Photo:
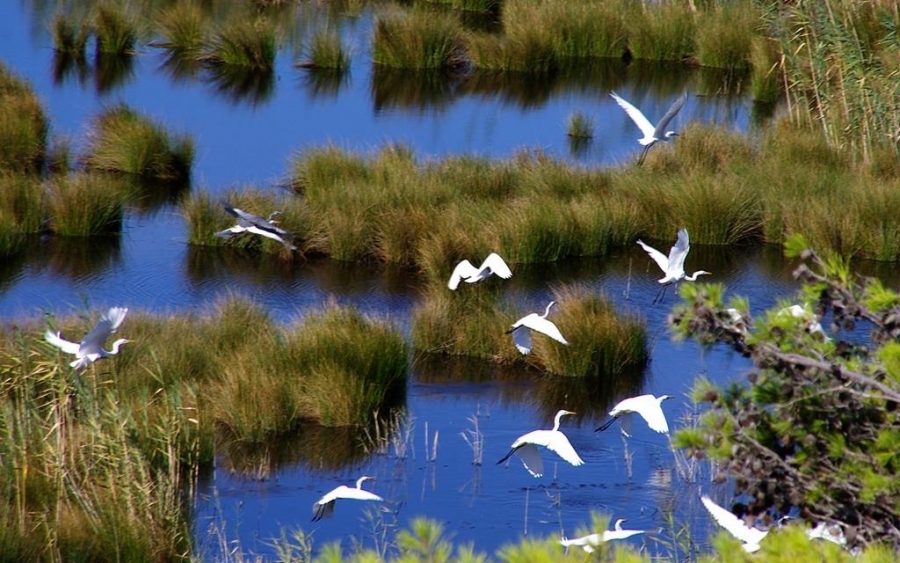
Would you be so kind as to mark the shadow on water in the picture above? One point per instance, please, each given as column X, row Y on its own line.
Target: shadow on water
column 180, row 66
column 151, row 195
column 80, row 258
column 14, row 261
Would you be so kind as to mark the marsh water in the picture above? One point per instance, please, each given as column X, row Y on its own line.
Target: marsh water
column 425, row 467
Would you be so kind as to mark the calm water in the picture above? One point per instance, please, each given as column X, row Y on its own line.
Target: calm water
column 247, row 139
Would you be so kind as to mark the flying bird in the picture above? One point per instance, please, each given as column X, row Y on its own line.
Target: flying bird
column 648, row 406
column 324, row 507
column 521, row 330
column 526, row 445
column 673, row 264
column 90, row 349
column 465, row 271
column 250, row 223
column 735, row 526
column 652, row 134
column 590, row 542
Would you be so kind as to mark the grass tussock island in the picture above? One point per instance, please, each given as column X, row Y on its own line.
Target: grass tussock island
column 473, row 322
column 123, row 140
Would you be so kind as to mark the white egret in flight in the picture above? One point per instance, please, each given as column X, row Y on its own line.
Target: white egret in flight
column 673, row 264
column 465, row 271
column 526, row 445
column 735, row 526
column 324, row 507
column 590, row 542
column 648, row 406
column 250, row 223
column 652, row 134
column 521, row 330
column 90, row 349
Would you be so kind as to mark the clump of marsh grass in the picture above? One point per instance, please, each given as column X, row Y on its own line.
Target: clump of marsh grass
column 602, row 341
column 766, row 82
column 206, row 217
column 86, row 204
column 116, row 33
column 123, row 140
column 242, row 43
column 23, row 126
column 326, row 51
column 580, row 125
column 462, row 323
column 417, row 39
column 182, row 30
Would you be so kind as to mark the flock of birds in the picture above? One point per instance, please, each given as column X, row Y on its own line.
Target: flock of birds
column 525, row 447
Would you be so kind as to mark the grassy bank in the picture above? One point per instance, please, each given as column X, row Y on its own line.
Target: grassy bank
column 23, row 126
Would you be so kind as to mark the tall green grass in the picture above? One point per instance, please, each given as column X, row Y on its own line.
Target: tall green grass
column 84, row 478
column 123, row 140
column 182, row 31
column 326, row 51
column 20, row 210
column 68, row 37
column 725, row 35
column 86, row 204
column 417, row 39
column 23, row 126
column 665, row 31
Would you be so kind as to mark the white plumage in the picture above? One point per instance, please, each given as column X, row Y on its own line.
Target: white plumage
column 521, row 330
column 250, row 223
column 648, row 407
column 652, row 134
column 673, row 264
column 590, row 542
column 324, row 507
column 735, row 526
column 465, row 271
column 805, row 313
column 90, row 349
column 525, row 447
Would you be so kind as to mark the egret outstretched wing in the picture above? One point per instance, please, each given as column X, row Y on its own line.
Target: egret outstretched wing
column 462, row 271
column 543, row 326
column 635, row 114
column 661, row 259
column 735, row 526
column 531, row 459
column 525, row 447
column 676, row 106
column 64, row 345
column 648, row 407
column 108, row 323
column 497, row 266
column 324, row 507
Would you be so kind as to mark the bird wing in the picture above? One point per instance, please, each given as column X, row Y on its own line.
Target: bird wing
column 588, row 543
column 268, row 233
column 56, row 340
column 323, row 510
column 732, row 523
column 635, row 114
column 679, row 252
column 116, row 315
column 495, row 264
column 107, row 324
column 531, row 459
column 464, row 269
column 360, row 494
column 230, row 231
column 521, row 336
column 620, row 534
column 560, row 444
column 676, row 106
column 661, row 260
column 651, row 411
column 535, row 322
column 254, row 220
